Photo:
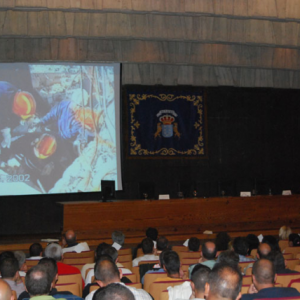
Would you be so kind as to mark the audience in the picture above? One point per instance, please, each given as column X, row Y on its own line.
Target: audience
column 21, row 257
column 272, row 241
column 118, row 237
column 241, row 246
column 294, row 240
column 253, row 242
column 106, row 272
column 9, row 269
column 113, row 291
column 284, row 232
column 194, row 244
column 263, row 286
column 5, row 291
column 152, row 234
column 224, row 282
column 279, row 264
column 222, row 241
column 161, row 245
column 208, row 255
column 229, row 257
column 71, row 245
column 35, row 251
column 148, row 250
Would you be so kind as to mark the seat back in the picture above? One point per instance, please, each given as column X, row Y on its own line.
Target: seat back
column 290, row 255
column 248, row 271
column 247, row 280
column 164, row 295
column 94, row 287
column 253, row 253
column 150, row 278
column 70, row 287
column 71, row 278
column 294, row 250
column 189, row 261
column 180, row 248
column 90, row 253
column 124, row 251
column 188, row 254
column 292, row 263
column 124, row 257
column 157, row 287
column 185, row 269
column 31, row 263
column 78, row 266
column 127, row 264
column 139, row 252
column 285, row 279
column 136, row 285
column 142, row 262
column 283, row 244
column 78, row 260
column 243, row 265
column 131, row 277
column 295, row 285
column 136, row 271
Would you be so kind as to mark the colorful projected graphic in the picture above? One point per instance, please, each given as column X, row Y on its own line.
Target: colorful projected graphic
column 58, row 132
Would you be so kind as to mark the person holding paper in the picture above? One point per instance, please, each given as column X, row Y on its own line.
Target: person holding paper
column 69, row 240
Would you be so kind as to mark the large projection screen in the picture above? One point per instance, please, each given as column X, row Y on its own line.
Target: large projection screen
column 59, row 127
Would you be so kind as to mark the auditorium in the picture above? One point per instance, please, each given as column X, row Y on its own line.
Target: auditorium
column 146, row 139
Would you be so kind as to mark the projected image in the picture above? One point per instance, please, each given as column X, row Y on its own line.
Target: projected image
column 58, row 131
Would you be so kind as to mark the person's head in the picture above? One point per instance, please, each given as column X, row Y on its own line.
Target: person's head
column 229, row 257
column 38, row 281
column 70, row 237
column 294, row 240
column 224, row 282
column 171, row 262
column 113, row 291
column 147, row 246
column 36, row 249
column 222, row 241
column 118, row 237
column 54, row 251
column 21, row 257
column 51, row 267
column 99, row 249
column 112, row 252
column 253, row 242
column 194, row 244
column 240, row 246
column 9, row 268
column 199, row 278
column 6, row 254
column 263, row 250
column 162, row 243
column 152, row 233
column 284, row 232
column 106, row 272
column 263, row 274
column 209, row 250
column 272, row 241
column 5, row 291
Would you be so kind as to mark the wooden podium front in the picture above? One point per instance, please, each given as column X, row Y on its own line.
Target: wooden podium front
column 181, row 218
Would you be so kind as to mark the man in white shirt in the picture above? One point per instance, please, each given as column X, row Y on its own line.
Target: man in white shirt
column 106, row 272
column 35, row 251
column 148, row 250
column 69, row 240
column 113, row 254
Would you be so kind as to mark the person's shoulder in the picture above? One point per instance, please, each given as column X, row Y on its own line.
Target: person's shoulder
column 68, row 297
column 139, row 293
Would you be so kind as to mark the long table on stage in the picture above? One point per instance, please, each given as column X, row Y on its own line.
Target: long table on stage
column 181, row 217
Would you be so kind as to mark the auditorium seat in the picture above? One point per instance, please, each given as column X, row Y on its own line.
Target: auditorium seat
column 90, row 253
column 185, row 269
column 136, row 285
column 180, row 248
column 157, row 287
column 136, row 271
column 78, row 260
column 125, row 257
column 78, row 266
column 94, row 287
column 72, row 278
column 247, row 280
column 295, row 285
column 288, row 255
column 150, row 278
column 164, row 295
column 124, row 251
column 294, row 250
column 285, row 279
column 243, row 265
column 297, row 268
column 31, row 263
column 283, row 244
column 189, row 254
column 139, row 252
column 253, row 253
column 70, row 287
column 127, row 264
column 131, row 277
column 291, row 263
column 248, row 271
column 189, row 261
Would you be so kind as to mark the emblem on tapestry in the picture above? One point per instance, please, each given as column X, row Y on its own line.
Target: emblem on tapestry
column 167, row 125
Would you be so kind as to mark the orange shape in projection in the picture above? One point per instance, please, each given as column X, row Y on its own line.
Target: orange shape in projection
column 24, row 105
column 45, row 147
column 87, row 117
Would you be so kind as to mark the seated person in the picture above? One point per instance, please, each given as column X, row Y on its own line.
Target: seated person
column 263, row 286
column 222, row 242
column 118, row 238
column 161, row 245
column 253, row 242
column 194, row 244
column 71, row 245
column 21, row 257
column 171, row 265
column 9, row 269
column 279, row 263
column 294, row 240
column 114, row 291
column 113, row 253
column 241, row 246
column 208, row 255
column 35, row 251
column 284, row 232
column 272, row 241
column 229, row 257
column 5, row 291
column 148, row 250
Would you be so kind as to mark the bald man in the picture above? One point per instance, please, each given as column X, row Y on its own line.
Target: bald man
column 69, row 240
column 208, row 255
column 5, row 291
column 263, row 250
column 224, row 283
column 263, row 286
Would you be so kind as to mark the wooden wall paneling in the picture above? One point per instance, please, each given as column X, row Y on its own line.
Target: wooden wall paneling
column 145, row 73
column 223, row 7
column 171, row 75
column 83, row 49
column 220, row 29
column 175, row 6
column 259, row 8
column 2, row 21
column 89, row 4
column 31, row 3
column 158, row 5
column 264, row 78
column 224, row 76
column 54, row 49
column 70, row 23
column 240, row 8
column 291, row 34
column 138, row 5
column 38, row 23
column 15, row 23
column 203, row 29
column 295, row 80
column 189, row 6
column 57, row 22
column 98, row 23
column 265, row 30
column 7, row 50
column 175, row 27
column 157, row 27
column 236, row 31
column 281, row 8
column 65, row 4
column 292, row 9
column 247, row 77
column 282, row 79
column 204, row 6
column 68, row 49
column 7, row 3
column 118, row 25
column 44, row 49
column 279, row 58
column 80, row 23
column 185, row 75
column 139, row 25
column 101, row 50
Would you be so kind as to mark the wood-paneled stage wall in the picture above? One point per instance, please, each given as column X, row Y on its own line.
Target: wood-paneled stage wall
column 180, row 218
